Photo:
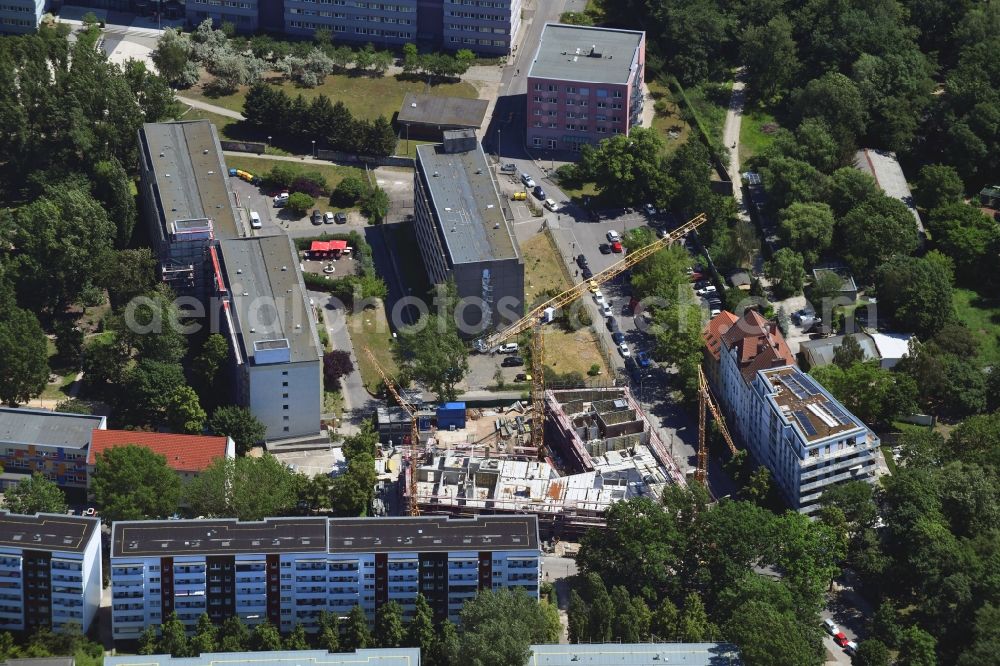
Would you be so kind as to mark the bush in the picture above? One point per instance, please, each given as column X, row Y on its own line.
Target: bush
column 308, row 184
column 300, row 202
column 595, row 370
column 336, row 364
column 348, row 192
column 280, row 176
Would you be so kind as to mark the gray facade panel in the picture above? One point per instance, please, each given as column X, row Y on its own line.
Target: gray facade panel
column 241, row 13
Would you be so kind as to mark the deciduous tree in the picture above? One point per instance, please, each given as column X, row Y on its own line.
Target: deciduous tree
column 787, row 270
column 35, row 494
column 24, row 365
column 239, row 423
column 244, row 488
column 356, row 633
column 389, row 631
column 808, row 229
column 133, row 483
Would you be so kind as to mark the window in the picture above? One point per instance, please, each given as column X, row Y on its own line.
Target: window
column 538, row 112
column 584, row 91
column 601, row 92
column 552, row 88
column 571, row 89
column 284, row 407
column 284, row 395
column 538, row 86
column 284, row 373
column 570, row 102
column 284, row 384
column 537, row 141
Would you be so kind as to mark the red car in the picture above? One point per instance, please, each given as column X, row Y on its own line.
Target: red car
column 840, row 639
column 616, row 247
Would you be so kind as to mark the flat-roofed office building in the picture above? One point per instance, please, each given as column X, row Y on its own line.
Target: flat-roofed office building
column 54, row 444
column 464, row 231
column 289, row 570
column 50, row 571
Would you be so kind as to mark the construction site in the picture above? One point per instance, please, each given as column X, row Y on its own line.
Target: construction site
column 600, row 449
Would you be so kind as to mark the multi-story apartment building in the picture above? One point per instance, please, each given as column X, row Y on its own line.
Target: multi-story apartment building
column 273, row 336
column 584, row 85
column 788, row 421
column 288, row 570
column 53, row 444
column 464, row 231
column 487, row 27
column 370, row 657
column 251, row 287
column 18, row 17
column 50, row 571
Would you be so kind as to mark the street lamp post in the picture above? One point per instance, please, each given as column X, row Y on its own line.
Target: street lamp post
column 314, row 148
column 268, row 140
column 498, row 144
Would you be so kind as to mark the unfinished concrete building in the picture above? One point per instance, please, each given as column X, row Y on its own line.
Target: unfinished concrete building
column 603, row 451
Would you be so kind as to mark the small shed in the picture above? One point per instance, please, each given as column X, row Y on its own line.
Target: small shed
column 990, row 196
column 848, row 287
column 451, row 415
column 740, row 280
column 429, row 116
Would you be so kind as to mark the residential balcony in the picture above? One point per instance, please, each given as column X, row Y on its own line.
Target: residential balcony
column 858, row 471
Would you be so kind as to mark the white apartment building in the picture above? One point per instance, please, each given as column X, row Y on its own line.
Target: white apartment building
column 50, row 571
column 288, row 570
column 789, row 422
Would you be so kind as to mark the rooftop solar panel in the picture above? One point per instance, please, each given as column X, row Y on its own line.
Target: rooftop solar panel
column 794, row 386
column 808, row 384
column 837, row 412
column 803, row 418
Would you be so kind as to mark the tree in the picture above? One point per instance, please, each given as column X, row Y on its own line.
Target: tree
column 420, row 630
column 205, row 637
column 808, row 229
column 915, row 294
column 151, row 326
column 432, row 350
column 146, row 389
column 147, row 641
column 938, row 185
column 356, row 633
column 208, row 364
column 240, row 424
column 265, row 638
column 498, row 627
column 970, row 238
column 835, row 99
column 786, row 268
column 665, row 625
column 172, row 57
column 374, row 204
column 132, row 483
column 849, row 188
column 917, row 648
column 871, row 652
column 694, row 624
column 875, row 231
column 329, row 632
column 352, row 491
column 24, row 365
column 35, row 494
column 297, row 639
column 872, row 393
column 629, row 170
column 578, row 618
column 348, row 191
column 183, row 412
column 336, row 364
column 771, row 636
column 678, row 340
column 848, row 352
column 110, row 185
column 447, row 647
column 411, row 58
column 300, row 202
column 233, row 635
column 790, row 180
column 601, row 611
column 769, row 53
column 389, row 625
column 131, row 273
column 173, row 638
column 244, row 488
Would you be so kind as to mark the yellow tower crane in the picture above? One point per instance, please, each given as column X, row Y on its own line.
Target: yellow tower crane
column 414, row 445
column 533, row 320
column 707, row 399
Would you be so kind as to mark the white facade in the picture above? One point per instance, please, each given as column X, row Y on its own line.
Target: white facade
column 20, row 16
column 285, row 397
column 50, row 571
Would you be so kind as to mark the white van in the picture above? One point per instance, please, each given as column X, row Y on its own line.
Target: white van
column 508, row 348
column 255, row 220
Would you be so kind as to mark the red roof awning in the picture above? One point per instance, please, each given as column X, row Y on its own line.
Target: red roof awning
column 328, row 246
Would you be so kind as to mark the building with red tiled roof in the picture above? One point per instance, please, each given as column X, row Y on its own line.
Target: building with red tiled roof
column 712, row 336
column 187, row 455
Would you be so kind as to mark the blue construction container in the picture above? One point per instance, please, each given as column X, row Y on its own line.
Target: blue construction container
column 451, row 415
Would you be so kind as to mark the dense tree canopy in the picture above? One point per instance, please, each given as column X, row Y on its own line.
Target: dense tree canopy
column 133, row 483
column 35, row 494
column 244, row 488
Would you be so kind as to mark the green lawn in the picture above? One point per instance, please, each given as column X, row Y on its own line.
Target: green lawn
column 753, row 137
column 672, row 127
column 365, row 96
column 982, row 316
column 577, row 195
column 710, row 102
column 369, row 328
column 408, row 147
column 334, row 173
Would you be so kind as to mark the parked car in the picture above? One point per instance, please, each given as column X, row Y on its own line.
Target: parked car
column 522, row 377
column 661, row 233
column 650, row 210
column 613, row 236
column 618, row 337
column 581, row 261
column 851, row 648
column 708, row 289
column 281, row 199
column 643, row 359
column 512, row 362
column 606, row 311
column 604, row 248
column 519, row 196
column 586, row 273
column 90, row 511
column 316, row 217
column 624, row 350
column 632, row 367
column 552, row 205
column 340, row 218
column 611, row 323
column 539, row 193
column 840, row 639
column 328, row 217
column 255, row 222
column 831, row 627
column 507, row 348
column 528, row 181
column 616, row 247
column 593, row 286
column 510, row 167
column 599, row 297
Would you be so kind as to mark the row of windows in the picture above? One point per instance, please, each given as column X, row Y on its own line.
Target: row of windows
column 228, row 3
column 473, row 28
column 598, row 116
column 600, row 129
column 478, row 17
column 481, row 42
column 495, row 4
column 17, row 8
column 573, row 90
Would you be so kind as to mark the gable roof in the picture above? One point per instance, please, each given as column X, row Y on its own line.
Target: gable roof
column 712, row 333
column 758, row 343
column 184, row 453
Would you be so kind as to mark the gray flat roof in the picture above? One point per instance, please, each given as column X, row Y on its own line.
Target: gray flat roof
column 371, row 657
column 822, row 350
column 40, row 661
column 635, row 654
column 466, row 205
column 224, row 536
column 153, row 538
column 191, row 177
column 47, row 532
column 883, row 166
column 437, row 111
column 268, row 296
column 433, row 534
column 41, row 427
column 564, row 53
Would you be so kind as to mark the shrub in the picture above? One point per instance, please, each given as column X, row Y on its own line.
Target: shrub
column 300, row 202
column 308, row 184
column 336, row 364
column 348, row 191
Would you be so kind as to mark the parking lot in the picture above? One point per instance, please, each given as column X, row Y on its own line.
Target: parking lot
column 276, row 220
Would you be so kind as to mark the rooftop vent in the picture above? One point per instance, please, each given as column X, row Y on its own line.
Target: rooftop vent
column 413, row 105
column 436, row 174
column 167, row 175
column 246, row 293
column 284, row 268
column 161, row 153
